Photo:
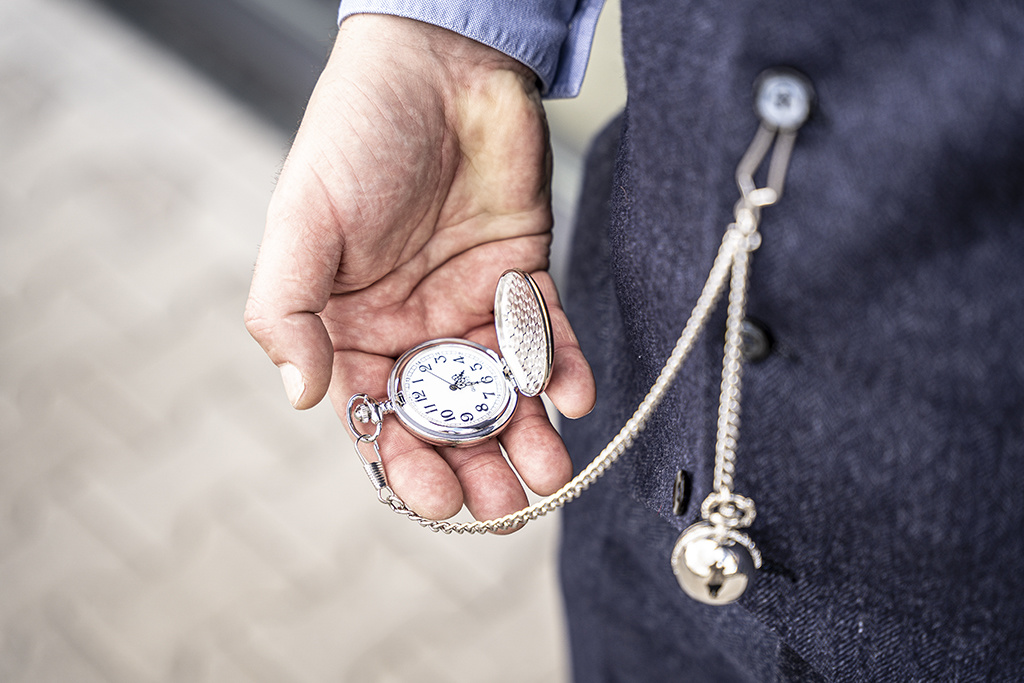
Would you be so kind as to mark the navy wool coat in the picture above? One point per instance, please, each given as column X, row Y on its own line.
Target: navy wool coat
column 883, row 438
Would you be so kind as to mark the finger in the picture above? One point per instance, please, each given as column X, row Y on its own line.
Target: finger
column 535, row 448
column 415, row 471
column 531, row 441
column 420, row 477
column 572, row 388
column 291, row 284
column 490, row 487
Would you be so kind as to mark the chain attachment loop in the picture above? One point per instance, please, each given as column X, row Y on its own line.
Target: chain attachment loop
column 365, row 409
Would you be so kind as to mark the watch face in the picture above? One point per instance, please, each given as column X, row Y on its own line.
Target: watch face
column 451, row 391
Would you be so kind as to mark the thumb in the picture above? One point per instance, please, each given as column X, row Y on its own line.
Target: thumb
column 291, row 285
column 298, row 344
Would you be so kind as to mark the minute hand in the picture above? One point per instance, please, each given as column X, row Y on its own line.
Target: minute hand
column 450, row 384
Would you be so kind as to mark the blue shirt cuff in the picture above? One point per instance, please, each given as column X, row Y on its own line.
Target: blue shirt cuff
column 552, row 37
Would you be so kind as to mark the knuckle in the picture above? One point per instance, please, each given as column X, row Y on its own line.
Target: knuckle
column 256, row 322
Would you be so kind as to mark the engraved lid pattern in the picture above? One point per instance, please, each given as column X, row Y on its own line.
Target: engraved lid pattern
column 524, row 331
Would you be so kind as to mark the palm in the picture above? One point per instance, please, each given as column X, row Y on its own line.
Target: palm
column 430, row 223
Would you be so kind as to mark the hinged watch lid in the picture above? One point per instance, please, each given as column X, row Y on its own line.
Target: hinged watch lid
column 524, row 331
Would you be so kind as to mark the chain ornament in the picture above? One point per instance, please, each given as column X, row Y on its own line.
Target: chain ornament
column 713, row 559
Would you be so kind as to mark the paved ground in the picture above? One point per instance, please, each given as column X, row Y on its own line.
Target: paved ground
column 164, row 515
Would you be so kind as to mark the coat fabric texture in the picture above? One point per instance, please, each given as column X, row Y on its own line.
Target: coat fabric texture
column 882, row 440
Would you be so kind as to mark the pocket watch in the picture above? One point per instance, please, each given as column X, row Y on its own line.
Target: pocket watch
column 455, row 392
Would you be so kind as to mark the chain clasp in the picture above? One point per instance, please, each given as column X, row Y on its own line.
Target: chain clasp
column 366, row 410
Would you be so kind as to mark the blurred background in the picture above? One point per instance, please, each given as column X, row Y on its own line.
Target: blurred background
column 164, row 514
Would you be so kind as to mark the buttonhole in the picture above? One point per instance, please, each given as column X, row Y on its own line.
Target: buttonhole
column 681, row 493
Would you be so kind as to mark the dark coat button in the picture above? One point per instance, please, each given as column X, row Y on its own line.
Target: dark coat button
column 757, row 341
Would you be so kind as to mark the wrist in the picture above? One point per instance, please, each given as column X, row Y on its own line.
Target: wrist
column 454, row 63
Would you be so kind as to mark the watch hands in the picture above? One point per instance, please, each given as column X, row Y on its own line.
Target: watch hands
column 457, row 382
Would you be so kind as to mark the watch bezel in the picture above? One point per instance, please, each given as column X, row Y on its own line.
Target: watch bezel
column 441, row 435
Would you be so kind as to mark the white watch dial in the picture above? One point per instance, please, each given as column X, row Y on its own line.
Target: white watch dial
column 453, row 391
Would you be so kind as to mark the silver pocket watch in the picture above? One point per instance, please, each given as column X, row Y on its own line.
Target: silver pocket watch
column 454, row 392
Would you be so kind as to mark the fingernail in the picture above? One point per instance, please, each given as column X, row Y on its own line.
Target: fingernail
column 294, row 385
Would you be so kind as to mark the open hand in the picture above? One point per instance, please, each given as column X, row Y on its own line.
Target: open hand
column 420, row 173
